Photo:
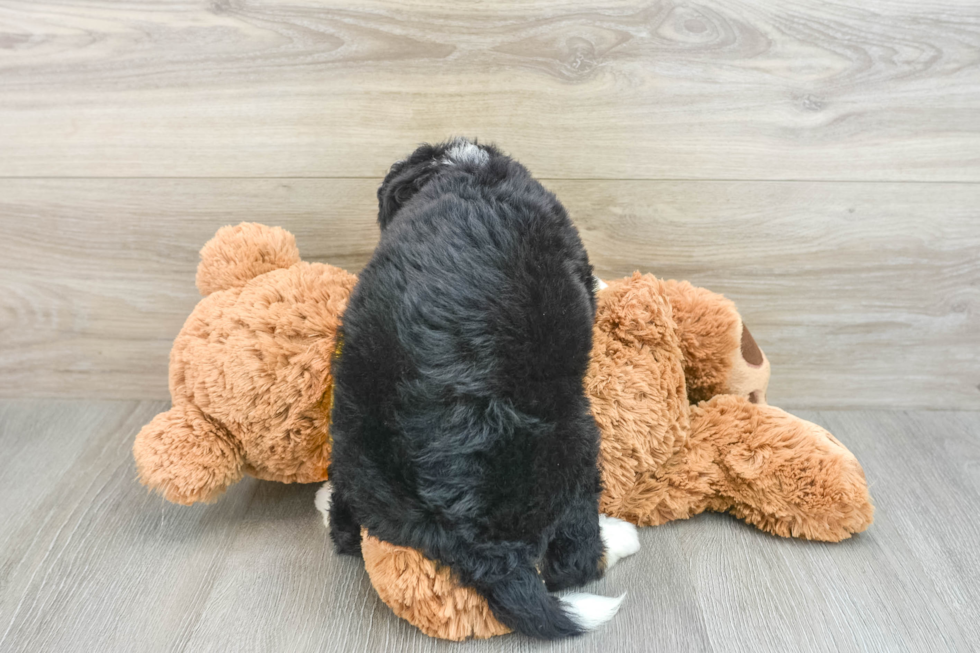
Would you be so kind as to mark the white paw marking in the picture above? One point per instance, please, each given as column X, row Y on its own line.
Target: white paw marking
column 590, row 611
column 322, row 502
column 619, row 538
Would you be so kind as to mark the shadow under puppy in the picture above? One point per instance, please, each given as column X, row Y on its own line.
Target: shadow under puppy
column 460, row 422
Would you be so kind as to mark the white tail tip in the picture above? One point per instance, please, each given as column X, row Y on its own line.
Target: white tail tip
column 322, row 502
column 590, row 611
column 619, row 538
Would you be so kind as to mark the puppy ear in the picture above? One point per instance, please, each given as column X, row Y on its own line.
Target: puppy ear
column 404, row 180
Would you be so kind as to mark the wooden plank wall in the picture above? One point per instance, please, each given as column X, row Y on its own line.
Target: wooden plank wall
column 818, row 162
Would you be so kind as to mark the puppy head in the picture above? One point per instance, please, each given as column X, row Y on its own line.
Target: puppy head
column 407, row 177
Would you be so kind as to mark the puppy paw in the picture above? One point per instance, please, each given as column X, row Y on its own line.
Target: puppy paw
column 322, row 502
column 619, row 539
column 589, row 611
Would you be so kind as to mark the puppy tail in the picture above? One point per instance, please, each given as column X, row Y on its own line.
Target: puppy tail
column 520, row 601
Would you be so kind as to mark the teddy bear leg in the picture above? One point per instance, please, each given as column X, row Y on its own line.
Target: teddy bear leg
column 682, row 487
column 780, row 473
column 720, row 354
column 187, row 457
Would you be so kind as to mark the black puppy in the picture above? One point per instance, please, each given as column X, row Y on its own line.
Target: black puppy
column 460, row 422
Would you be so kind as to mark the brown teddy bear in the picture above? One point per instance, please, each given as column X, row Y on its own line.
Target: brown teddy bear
column 677, row 385
column 249, row 371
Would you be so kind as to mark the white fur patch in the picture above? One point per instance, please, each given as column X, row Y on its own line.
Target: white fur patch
column 465, row 152
column 322, row 502
column 599, row 283
column 590, row 611
column 619, row 538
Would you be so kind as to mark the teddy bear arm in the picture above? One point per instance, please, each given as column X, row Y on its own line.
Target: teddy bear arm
column 187, row 457
column 780, row 473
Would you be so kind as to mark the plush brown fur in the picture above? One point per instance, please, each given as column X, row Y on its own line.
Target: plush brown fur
column 677, row 386
column 249, row 372
column 450, row 611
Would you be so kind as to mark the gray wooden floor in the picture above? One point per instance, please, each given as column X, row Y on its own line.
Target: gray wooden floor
column 91, row 562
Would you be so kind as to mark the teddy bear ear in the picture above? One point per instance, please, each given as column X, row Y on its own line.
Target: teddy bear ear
column 236, row 255
column 750, row 349
column 750, row 370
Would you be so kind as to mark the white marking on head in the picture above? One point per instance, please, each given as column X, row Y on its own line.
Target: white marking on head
column 463, row 151
column 590, row 611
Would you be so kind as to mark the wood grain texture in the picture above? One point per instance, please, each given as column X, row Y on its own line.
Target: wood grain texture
column 860, row 294
column 91, row 562
column 805, row 89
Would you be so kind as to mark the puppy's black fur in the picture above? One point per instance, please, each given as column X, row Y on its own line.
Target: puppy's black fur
column 460, row 423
